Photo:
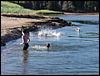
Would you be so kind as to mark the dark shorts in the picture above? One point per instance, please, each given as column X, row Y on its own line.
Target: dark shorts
column 26, row 45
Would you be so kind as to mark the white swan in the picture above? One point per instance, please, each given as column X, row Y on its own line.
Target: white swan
column 77, row 29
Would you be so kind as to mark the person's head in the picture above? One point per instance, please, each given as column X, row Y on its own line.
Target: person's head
column 22, row 28
column 25, row 31
column 48, row 45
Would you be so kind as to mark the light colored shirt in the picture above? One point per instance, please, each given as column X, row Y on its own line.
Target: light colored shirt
column 25, row 38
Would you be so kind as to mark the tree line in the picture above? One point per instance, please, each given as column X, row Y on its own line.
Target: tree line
column 66, row 6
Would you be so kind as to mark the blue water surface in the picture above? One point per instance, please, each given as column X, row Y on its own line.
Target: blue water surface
column 72, row 53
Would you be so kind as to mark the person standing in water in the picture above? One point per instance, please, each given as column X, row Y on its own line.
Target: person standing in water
column 25, row 39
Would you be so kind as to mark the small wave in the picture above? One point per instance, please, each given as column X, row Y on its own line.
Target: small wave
column 49, row 33
column 39, row 47
column 92, row 40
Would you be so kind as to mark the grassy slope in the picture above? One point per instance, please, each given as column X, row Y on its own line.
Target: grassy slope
column 8, row 7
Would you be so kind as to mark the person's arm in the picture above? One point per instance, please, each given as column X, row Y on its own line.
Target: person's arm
column 22, row 33
column 22, row 41
column 28, row 37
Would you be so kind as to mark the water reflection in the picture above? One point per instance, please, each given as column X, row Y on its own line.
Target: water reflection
column 25, row 61
column 87, row 22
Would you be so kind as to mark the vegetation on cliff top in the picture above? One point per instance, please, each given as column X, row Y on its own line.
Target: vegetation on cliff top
column 8, row 7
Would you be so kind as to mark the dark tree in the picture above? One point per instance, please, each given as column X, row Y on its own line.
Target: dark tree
column 53, row 5
column 68, row 6
column 79, row 6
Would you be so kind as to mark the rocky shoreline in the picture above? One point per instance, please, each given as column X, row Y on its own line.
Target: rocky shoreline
column 15, row 31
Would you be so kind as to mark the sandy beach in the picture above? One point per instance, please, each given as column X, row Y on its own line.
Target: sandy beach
column 13, row 22
column 7, row 23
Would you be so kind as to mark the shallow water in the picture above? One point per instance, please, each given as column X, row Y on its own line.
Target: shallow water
column 71, row 53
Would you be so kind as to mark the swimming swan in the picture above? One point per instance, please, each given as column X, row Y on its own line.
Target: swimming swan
column 77, row 29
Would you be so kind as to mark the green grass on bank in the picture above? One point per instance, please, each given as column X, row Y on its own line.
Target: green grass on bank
column 8, row 7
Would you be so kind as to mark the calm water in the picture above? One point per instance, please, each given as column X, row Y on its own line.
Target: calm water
column 71, row 53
